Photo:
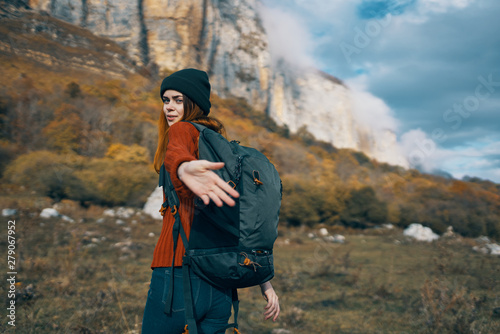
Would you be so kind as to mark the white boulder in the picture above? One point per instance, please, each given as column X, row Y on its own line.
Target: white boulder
column 420, row 233
column 494, row 249
column 153, row 204
column 337, row 238
column 49, row 213
column 323, row 232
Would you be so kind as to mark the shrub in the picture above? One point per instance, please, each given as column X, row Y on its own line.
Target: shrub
column 101, row 181
column 133, row 154
column 47, row 173
column 363, row 209
column 7, row 153
column 114, row 182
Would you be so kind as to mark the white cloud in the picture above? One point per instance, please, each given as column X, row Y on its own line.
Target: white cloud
column 480, row 158
column 421, row 63
column 288, row 36
column 421, row 151
column 441, row 6
column 368, row 109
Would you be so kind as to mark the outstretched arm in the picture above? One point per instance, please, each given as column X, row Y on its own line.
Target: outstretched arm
column 198, row 176
column 273, row 306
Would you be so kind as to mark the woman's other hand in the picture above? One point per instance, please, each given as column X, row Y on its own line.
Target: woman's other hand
column 272, row 309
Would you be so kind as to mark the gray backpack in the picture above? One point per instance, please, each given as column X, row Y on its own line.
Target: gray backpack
column 230, row 247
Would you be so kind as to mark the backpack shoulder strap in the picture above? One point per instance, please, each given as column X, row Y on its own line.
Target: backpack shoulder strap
column 172, row 201
column 198, row 126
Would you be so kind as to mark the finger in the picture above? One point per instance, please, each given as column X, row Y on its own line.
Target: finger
column 277, row 313
column 227, row 188
column 205, row 199
column 269, row 313
column 222, row 196
column 213, row 165
column 225, row 198
column 213, row 196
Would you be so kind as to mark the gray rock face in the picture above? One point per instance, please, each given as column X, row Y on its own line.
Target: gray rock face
column 227, row 39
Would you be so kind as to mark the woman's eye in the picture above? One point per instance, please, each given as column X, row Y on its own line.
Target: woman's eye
column 179, row 101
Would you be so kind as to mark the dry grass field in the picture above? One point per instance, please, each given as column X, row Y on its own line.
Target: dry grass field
column 91, row 276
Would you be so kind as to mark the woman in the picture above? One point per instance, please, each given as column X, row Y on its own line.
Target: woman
column 186, row 97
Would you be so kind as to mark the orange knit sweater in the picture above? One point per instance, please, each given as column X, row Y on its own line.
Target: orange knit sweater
column 182, row 147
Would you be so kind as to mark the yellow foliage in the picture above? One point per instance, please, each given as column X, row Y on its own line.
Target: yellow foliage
column 124, row 153
column 65, row 132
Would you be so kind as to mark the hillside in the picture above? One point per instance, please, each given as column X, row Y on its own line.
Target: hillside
column 229, row 41
column 85, row 130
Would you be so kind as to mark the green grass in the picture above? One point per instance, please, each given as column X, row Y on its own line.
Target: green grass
column 77, row 278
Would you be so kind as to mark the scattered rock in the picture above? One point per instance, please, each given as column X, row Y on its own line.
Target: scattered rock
column 9, row 212
column 388, row 226
column 120, row 212
column 483, row 239
column 109, row 212
column 323, row 232
column 494, row 249
column 280, row 331
column 68, row 219
column 122, row 244
column 420, row 233
column 151, row 234
column 480, row 249
column 486, row 246
column 49, row 213
column 337, row 238
column 120, row 222
column 449, row 232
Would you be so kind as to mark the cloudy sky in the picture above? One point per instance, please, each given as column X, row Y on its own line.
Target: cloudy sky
column 433, row 65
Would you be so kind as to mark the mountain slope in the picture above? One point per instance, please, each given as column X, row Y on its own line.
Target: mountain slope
column 227, row 39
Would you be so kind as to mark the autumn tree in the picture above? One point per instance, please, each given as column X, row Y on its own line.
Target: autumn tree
column 364, row 209
column 65, row 132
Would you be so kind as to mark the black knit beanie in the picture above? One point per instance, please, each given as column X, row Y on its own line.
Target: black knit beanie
column 192, row 83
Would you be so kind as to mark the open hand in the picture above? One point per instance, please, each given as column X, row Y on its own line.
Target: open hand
column 198, row 176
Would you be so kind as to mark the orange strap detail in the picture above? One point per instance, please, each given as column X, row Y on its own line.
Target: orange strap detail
column 248, row 262
column 163, row 210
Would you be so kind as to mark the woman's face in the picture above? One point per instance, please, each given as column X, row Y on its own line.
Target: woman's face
column 173, row 106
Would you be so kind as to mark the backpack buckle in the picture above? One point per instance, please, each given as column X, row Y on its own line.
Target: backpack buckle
column 163, row 210
column 256, row 178
column 232, row 184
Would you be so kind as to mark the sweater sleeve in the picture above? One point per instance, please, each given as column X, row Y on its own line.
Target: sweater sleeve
column 182, row 147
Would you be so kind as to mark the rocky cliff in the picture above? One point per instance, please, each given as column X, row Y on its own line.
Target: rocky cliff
column 227, row 39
